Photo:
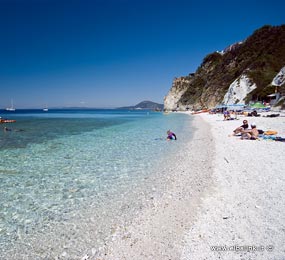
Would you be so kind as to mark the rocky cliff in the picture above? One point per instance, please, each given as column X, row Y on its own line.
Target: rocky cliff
column 242, row 72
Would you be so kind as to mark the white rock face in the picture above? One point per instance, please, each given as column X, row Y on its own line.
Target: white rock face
column 280, row 78
column 238, row 90
column 179, row 86
column 230, row 48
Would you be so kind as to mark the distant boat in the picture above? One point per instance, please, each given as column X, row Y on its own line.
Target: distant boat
column 11, row 108
column 45, row 109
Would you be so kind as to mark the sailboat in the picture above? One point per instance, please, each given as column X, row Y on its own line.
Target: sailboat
column 45, row 109
column 12, row 107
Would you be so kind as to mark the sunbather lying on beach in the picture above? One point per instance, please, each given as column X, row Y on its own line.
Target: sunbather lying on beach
column 251, row 134
column 272, row 115
column 253, row 113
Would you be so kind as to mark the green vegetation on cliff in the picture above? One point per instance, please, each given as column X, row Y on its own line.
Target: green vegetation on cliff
column 260, row 56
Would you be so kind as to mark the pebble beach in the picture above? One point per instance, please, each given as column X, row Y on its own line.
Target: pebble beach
column 223, row 198
column 243, row 216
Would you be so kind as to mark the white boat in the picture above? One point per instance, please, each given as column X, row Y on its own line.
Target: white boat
column 11, row 108
column 45, row 109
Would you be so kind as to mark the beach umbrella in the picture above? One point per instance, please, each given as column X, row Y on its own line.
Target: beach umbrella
column 230, row 106
column 257, row 105
column 235, row 106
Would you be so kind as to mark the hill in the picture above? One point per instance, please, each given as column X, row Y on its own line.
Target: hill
column 242, row 72
column 145, row 105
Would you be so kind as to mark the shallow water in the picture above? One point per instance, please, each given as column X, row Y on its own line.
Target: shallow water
column 72, row 170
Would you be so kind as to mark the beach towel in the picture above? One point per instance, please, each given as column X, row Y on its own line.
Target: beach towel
column 269, row 137
column 270, row 132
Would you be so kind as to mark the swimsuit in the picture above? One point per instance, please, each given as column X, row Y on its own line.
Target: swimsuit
column 171, row 136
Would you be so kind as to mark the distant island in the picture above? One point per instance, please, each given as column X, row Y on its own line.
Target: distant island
column 145, row 105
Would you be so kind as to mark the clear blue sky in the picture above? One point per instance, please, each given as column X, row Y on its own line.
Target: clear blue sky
column 107, row 53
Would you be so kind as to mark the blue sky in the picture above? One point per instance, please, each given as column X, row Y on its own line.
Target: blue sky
column 107, row 53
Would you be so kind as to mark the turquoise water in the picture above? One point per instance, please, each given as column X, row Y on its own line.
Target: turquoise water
column 70, row 166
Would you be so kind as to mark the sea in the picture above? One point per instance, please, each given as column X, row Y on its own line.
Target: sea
column 70, row 178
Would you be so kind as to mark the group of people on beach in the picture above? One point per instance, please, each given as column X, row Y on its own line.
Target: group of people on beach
column 243, row 130
column 251, row 134
column 232, row 115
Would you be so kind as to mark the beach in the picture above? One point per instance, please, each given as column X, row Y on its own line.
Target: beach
column 244, row 214
column 223, row 198
column 208, row 195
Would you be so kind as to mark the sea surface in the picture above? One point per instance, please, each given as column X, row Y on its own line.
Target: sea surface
column 70, row 178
